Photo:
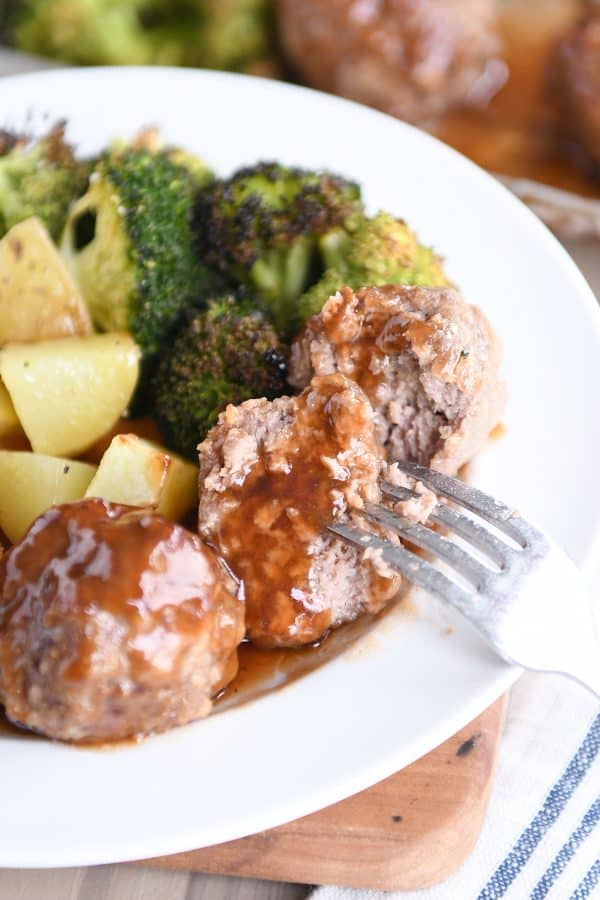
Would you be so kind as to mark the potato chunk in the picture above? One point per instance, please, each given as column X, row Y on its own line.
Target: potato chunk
column 68, row 392
column 140, row 473
column 38, row 296
column 30, row 483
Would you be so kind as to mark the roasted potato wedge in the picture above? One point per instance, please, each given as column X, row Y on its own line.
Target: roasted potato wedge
column 38, row 296
column 141, row 473
column 68, row 392
column 30, row 483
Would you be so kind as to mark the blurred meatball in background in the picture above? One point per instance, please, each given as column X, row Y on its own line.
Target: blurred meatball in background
column 415, row 59
column 575, row 87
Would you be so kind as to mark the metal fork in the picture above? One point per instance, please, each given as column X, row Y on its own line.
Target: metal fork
column 527, row 598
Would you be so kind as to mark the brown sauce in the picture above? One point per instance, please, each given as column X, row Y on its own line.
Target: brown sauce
column 270, row 521
column 366, row 327
column 263, row 670
column 496, row 434
column 516, row 134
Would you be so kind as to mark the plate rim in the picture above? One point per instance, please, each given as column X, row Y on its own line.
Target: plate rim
column 418, row 746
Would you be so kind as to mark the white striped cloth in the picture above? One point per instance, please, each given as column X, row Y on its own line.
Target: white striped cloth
column 541, row 838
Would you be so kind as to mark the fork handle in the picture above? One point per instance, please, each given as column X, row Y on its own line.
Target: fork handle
column 585, row 674
column 553, row 628
column 589, row 677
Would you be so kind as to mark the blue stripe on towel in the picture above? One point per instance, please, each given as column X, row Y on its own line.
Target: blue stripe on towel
column 567, row 851
column 588, row 884
column 554, row 804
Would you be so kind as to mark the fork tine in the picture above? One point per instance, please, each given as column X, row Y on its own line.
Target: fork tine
column 472, row 531
column 416, row 569
column 479, row 536
column 398, row 492
column 493, row 511
column 424, row 537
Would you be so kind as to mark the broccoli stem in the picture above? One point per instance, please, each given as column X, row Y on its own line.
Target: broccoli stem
column 334, row 247
column 280, row 275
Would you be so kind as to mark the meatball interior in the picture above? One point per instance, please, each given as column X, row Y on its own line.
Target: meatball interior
column 427, row 360
column 273, row 475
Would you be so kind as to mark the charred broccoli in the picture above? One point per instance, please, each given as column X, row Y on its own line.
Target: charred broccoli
column 227, row 353
column 261, row 227
column 39, row 178
column 222, row 34
column 130, row 245
column 370, row 251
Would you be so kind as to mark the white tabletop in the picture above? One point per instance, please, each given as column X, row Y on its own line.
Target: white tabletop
column 126, row 882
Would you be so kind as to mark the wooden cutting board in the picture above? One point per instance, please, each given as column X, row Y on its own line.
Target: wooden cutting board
column 407, row 832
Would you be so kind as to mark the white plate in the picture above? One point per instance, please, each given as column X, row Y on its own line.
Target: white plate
column 411, row 684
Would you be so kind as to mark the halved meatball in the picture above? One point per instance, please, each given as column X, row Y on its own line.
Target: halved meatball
column 273, row 474
column 426, row 359
column 113, row 622
column 412, row 58
column 575, row 86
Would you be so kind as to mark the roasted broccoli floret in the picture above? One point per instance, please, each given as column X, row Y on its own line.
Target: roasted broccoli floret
column 371, row 251
column 261, row 227
column 39, row 178
column 93, row 32
column 227, row 353
column 235, row 34
column 222, row 34
column 130, row 244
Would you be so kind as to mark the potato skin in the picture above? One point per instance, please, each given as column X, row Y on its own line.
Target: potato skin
column 38, row 296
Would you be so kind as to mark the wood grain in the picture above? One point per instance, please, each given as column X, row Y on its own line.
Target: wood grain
column 407, row 832
column 136, row 883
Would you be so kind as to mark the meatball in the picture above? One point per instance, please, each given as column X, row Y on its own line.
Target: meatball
column 113, row 622
column 273, row 474
column 575, row 87
column 427, row 360
column 412, row 58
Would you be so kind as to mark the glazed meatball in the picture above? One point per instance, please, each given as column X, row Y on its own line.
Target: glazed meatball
column 412, row 58
column 113, row 623
column 575, row 86
column 427, row 360
column 273, row 474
